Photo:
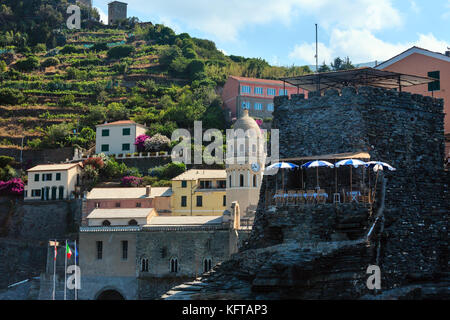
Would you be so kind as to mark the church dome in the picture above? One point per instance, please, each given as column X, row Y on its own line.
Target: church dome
column 246, row 122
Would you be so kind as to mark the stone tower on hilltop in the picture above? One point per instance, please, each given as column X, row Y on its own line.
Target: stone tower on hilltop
column 244, row 175
column 116, row 11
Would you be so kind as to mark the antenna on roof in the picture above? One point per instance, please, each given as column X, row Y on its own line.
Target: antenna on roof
column 317, row 51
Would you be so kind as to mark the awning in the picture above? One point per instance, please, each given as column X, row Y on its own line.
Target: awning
column 338, row 156
column 356, row 77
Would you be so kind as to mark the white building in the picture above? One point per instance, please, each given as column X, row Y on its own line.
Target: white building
column 118, row 137
column 53, row 181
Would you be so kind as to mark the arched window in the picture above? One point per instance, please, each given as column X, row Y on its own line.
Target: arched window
column 174, row 265
column 144, row 265
column 241, row 178
column 207, row 263
column 132, row 222
column 106, row 223
column 255, row 181
column 229, row 178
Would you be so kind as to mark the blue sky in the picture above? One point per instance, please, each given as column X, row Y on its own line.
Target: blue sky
column 283, row 32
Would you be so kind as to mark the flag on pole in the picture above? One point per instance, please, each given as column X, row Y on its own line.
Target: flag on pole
column 56, row 252
column 68, row 251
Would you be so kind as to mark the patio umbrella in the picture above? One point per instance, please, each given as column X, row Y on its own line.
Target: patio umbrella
column 352, row 163
column 377, row 167
column 316, row 164
column 282, row 165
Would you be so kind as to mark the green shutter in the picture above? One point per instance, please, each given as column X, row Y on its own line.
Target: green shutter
column 435, row 85
column 105, row 133
column 126, row 131
column 105, row 147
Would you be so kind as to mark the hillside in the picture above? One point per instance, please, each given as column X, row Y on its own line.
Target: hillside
column 147, row 74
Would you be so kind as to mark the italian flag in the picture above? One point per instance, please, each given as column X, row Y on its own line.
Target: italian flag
column 68, row 251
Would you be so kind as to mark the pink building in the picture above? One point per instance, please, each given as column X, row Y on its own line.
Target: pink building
column 256, row 95
column 421, row 62
column 129, row 198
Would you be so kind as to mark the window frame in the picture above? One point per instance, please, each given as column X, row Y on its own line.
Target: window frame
column 103, row 147
column 126, row 144
column 199, row 201
column 105, row 132
column 183, row 201
column 99, row 247
column 128, row 130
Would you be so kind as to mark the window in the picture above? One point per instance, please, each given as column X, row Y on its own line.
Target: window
column 36, row 177
column 207, row 264
column 36, row 193
column 205, row 184
column 246, row 105
column 183, row 201
column 241, row 182
column 174, row 265
column 106, row 223
column 255, row 181
column 126, row 147
column 99, row 250
column 270, row 107
column 125, row 250
column 49, row 177
column 105, row 147
column 271, row 92
column 258, row 90
column 105, row 133
column 117, row 204
column 184, row 184
column 199, row 201
column 97, row 204
column 229, row 178
column 61, row 193
column 126, row 131
column 435, row 85
column 283, row 92
column 246, row 89
column 58, row 177
column 144, row 265
column 224, row 203
column 258, row 106
column 138, row 205
column 221, row 184
column 132, row 222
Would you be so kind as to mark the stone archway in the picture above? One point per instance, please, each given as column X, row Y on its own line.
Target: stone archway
column 110, row 294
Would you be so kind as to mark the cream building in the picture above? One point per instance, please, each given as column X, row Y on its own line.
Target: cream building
column 245, row 173
column 199, row 192
column 120, row 217
column 53, row 181
column 117, row 137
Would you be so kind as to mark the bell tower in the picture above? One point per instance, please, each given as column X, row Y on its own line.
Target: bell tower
column 245, row 172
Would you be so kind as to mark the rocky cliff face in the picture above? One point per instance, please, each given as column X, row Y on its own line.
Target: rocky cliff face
column 322, row 251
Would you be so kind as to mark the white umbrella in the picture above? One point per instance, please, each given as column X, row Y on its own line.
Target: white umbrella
column 282, row 165
column 316, row 164
column 377, row 167
column 352, row 163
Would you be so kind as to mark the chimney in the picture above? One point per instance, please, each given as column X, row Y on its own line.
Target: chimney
column 447, row 53
column 148, row 191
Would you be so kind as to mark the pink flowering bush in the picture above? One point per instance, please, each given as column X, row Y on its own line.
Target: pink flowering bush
column 259, row 122
column 131, row 181
column 14, row 187
column 140, row 142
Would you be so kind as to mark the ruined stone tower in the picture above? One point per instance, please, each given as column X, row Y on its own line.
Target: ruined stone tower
column 116, row 11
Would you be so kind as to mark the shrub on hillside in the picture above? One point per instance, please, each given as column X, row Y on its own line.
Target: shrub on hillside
column 131, row 181
column 157, row 143
column 67, row 100
column 14, row 187
column 101, row 46
column 140, row 142
column 50, row 62
column 96, row 162
column 5, row 160
column 26, row 65
column 11, row 96
column 120, row 52
column 70, row 48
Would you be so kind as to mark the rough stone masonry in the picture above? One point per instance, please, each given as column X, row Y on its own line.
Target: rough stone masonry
column 300, row 252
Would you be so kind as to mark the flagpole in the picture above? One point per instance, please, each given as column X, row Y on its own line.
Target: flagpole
column 65, row 273
column 76, row 279
column 54, row 271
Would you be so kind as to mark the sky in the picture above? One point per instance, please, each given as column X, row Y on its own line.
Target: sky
column 283, row 31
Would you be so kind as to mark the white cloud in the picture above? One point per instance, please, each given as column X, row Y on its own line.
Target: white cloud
column 362, row 46
column 225, row 19
column 307, row 52
column 446, row 14
column 103, row 16
column 414, row 7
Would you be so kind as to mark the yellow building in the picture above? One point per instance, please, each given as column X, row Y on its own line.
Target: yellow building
column 199, row 192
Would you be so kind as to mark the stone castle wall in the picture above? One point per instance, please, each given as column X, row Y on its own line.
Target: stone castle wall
column 398, row 128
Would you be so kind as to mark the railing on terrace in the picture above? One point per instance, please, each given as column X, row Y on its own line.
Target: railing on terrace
column 282, row 198
column 137, row 155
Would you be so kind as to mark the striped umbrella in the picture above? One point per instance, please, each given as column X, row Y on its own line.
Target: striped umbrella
column 316, row 164
column 282, row 165
column 377, row 167
column 352, row 163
